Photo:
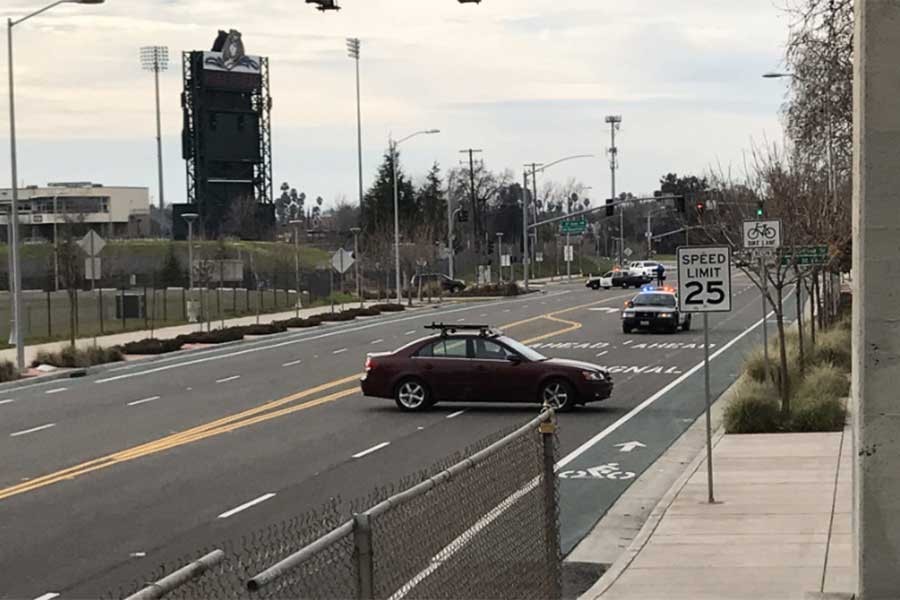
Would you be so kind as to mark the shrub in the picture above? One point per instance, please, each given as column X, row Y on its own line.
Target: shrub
column 388, row 307
column 264, row 329
column 8, row 371
column 824, row 381
column 818, row 414
column 338, row 316
column 833, row 346
column 71, row 358
column 299, row 323
column 367, row 312
column 755, row 365
column 504, row 289
column 754, row 409
column 218, row 336
column 152, row 346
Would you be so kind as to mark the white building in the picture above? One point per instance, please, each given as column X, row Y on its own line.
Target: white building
column 114, row 212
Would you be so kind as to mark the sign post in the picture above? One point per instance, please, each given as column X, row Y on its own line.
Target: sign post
column 704, row 286
column 763, row 238
column 92, row 244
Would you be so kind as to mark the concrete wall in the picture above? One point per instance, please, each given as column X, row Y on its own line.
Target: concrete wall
column 876, row 303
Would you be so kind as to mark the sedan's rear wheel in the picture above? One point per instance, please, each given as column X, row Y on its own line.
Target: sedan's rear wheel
column 559, row 394
column 412, row 395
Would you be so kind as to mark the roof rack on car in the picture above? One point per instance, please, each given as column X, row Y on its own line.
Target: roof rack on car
column 483, row 330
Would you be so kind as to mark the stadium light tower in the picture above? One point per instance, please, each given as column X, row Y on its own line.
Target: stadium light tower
column 156, row 59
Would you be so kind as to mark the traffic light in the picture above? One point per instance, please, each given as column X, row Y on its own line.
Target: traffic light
column 610, row 208
column 491, row 248
column 760, row 208
column 701, row 208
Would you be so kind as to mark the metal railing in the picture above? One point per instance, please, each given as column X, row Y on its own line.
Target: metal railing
column 486, row 527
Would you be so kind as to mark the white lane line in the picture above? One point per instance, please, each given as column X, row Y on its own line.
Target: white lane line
column 482, row 315
column 7, row 401
column 292, row 363
column 227, row 379
column 47, row 596
column 56, row 390
column 32, row 430
column 374, row 448
column 378, row 341
column 341, row 351
column 456, row 414
column 505, row 310
column 410, row 332
column 460, row 320
column 260, row 347
column 602, row 353
column 245, row 506
column 144, row 401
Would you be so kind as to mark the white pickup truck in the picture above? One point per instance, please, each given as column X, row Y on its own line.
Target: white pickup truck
column 643, row 268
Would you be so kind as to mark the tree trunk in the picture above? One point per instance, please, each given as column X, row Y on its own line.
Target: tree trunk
column 812, row 316
column 71, row 291
column 799, row 290
column 784, row 383
column 818, row 300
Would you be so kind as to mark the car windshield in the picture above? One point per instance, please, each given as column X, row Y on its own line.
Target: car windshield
column 654, row 300
column 522, row 349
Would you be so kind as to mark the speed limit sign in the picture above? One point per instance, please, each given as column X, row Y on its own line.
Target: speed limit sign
column 704, row 279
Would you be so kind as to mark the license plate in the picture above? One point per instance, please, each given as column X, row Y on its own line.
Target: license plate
column 645, row 323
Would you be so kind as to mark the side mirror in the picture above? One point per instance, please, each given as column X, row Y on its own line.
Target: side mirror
column 516, row 360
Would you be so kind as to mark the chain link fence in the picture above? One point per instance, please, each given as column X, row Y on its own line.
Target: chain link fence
column 485, row 526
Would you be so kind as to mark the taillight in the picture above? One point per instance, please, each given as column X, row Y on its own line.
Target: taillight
column 370, row 363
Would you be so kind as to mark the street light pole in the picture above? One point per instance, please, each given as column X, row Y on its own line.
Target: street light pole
column 16, row 283
column 355, row 231
column 499, row 257
column 353, row 46
column 393, row 149
column 296, row 223
column 614, row 123
column 526, row 257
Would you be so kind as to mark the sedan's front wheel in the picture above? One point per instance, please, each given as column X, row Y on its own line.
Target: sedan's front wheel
column 412, row 395
column 559, row 394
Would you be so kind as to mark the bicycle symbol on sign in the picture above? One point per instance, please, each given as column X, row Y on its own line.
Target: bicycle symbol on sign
column 607, row 471
column 762, row 231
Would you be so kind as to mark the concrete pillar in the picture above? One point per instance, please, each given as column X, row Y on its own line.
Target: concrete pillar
column 876, row 298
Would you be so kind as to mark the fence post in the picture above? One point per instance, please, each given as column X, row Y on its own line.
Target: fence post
column 100, row 308
column 146, row 307
column 122, row 307
column 184, row 304
column 362, row 554
column 165, row 314
column 551, row 509
column 49, row 317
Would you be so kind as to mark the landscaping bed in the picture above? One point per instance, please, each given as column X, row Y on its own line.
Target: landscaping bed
column 70, row 358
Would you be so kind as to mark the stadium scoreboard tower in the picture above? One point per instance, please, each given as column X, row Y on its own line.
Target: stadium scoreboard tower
column 227, row 142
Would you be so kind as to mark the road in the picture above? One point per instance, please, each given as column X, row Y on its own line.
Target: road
column 118, row 471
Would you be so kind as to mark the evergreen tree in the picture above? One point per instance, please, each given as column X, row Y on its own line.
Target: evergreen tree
column 378, row 203
column 432, row 202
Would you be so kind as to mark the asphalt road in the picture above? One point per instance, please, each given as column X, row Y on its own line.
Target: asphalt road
column 116, row 472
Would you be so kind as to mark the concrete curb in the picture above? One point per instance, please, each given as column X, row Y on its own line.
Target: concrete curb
column 19, row 384
column 659, row 510
column 615, row 571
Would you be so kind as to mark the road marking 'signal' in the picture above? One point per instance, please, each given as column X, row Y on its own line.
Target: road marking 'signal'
column 227, row 379
column 374, row 448
column 246, row 505
column 144, row 401
column 32, row 430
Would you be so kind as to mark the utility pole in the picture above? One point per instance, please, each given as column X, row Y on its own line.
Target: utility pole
column 526, row 257
column 476, row 217
column 534, row 198
column 614, row 123
column 499, row 257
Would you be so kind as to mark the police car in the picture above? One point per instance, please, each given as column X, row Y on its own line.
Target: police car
column 654, row 309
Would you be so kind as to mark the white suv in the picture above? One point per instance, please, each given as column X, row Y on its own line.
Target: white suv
column 644, row 268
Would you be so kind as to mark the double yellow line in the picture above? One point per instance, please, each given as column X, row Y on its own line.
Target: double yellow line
column 259, row 414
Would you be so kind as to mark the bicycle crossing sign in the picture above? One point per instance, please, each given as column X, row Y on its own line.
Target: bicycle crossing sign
column 704, row 279
column 762, row 234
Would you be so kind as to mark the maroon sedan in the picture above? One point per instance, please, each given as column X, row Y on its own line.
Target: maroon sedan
column 477, row 364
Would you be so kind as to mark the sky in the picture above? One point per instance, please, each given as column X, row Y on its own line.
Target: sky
column 522, row 80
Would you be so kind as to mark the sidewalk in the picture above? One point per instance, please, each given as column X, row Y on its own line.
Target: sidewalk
column 780, row 529
column 167, row 332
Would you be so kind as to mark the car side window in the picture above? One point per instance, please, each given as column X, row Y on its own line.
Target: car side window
column 488, row 350
column 449, row 348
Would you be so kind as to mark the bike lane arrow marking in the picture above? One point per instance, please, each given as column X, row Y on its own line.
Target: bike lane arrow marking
column 629, row 446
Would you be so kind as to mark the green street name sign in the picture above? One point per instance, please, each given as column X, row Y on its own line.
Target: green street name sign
column 573, row 227
column 805, row 255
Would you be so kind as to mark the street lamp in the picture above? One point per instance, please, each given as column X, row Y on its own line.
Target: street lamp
column 296, row 223
column 189, row 219
column 156, row 59
column 14, row 202
column 393, row 146
column 535, row 169
column 355, row 231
